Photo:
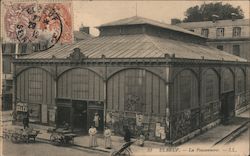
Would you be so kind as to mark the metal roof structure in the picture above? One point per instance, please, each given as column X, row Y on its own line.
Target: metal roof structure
column 136, row 20
column 135, row 46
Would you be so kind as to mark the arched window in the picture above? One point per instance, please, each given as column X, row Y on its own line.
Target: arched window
column 81, row 83
column 240, row 81
column 227, row 81
column 210, row 86
column 35, row 85
column 136, row 90
column 185, row 91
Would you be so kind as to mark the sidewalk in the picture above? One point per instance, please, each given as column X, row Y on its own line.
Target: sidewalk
column 207, row 139
column 216, row 134
column 245, row 114
column 6, row 116
column 117, row 142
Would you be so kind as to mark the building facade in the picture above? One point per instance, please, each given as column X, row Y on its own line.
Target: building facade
column 232, row 36
column 9, row 52
column 14, row 50
column 151, row 77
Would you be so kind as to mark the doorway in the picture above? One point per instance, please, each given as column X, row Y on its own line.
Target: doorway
column 63, row 116
column 79, row 115
column 91, row 115
column 96, row 108
column 227, row 106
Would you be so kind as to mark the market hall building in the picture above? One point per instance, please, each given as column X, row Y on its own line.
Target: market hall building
column 152, row 77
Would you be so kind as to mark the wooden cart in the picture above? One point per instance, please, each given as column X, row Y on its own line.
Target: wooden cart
column 61, row 136
column 20, row 135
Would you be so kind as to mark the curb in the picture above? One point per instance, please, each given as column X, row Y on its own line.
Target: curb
column 85, row 147
column 94, row 148
column 233, row 134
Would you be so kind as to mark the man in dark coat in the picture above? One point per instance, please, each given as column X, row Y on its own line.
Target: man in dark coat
column 26, row 121
column 127, row 135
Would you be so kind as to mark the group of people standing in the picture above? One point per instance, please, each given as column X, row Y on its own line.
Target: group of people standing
column 107, row 137
column 93, row 132
column 93, row 139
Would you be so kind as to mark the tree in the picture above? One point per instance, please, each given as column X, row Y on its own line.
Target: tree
column 205, row 12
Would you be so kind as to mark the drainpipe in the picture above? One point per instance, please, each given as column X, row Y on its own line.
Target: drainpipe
column 168, row 139
column 56, row 93
column 199, row 96
column 16, row 51
column 105, row 91
column 1, row 77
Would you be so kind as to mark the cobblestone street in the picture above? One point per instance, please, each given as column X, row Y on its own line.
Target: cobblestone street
column 43, row 149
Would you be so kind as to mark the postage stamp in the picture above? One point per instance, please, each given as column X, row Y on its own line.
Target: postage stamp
column 46, row 23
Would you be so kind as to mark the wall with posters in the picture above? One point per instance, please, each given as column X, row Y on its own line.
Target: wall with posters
column 35, row 86
column 137, row 98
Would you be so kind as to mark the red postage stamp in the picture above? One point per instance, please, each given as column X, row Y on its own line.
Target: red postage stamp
column 38, row 22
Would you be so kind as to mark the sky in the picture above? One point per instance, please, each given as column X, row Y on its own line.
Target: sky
column 94, row 13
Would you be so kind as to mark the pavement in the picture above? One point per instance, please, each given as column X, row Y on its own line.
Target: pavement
column 208, row 139
column 6, row 116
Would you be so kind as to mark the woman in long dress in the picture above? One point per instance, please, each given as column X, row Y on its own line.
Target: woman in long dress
column 97, row 120
column 92, row 137
column 107, row 137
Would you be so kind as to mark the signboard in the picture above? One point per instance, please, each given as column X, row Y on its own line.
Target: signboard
column 160, row 131
column 157, row 129
column 52, row 115
column 22, row 107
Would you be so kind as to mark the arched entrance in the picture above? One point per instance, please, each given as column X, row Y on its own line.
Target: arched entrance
column 210, row 97
column 240, row 89
column 136, row 96
column 185, row 107
column 35, row 90
column 80, row 97
column 227, row 95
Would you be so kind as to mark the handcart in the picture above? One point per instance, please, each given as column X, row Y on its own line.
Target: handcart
column 61, row 137
column 22, row 135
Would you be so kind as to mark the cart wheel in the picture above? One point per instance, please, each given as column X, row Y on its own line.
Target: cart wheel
column 126, row 152
column 7, row 136
column 14, row 138
column 55, row 139
column 26, row 138
column 114, row 153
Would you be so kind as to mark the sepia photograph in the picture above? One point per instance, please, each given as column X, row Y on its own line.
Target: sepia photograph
column 125, row 78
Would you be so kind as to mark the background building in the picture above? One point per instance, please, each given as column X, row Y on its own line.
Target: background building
column 13, row 50
column 152, row 77
column 232, row 36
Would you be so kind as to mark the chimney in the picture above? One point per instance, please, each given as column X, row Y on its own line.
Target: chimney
column 84, row 29
column 215, row 18
column 175, row 21
column 233, row 15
